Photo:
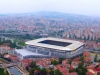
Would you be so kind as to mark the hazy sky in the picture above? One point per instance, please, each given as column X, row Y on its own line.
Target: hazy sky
column 86, row 7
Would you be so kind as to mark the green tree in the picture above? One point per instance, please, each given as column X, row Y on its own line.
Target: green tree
column 96, row 58
column 37, row 68
column 57, row 72
column 31, row 72
column 54, row 62
column 60, row 60
column 84, row 69
column 80, row 66
column 82, row 58
column 33, row 65
column 43, row 71
column 1, row 42
column 2, row 72
column 81, row 70
column 7, row 41
column 70, row 61
column 51, row 72
column 13, row 45
column 96, row 66
column 18, row 47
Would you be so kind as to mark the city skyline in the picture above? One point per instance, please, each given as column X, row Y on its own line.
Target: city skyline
column 83, row 7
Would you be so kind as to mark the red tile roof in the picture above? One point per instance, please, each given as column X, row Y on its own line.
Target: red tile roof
column 99, row 63
column 4, row 46
column 65, row 61
column 7, row 44
column 97, row 69
column 61, row 68
column 90, row 66
column 65, row 72
column 72, row 67
column 73, row 73
column 42, row 63
column 27, row 62
column 87, row 59
column 13, row 57
column 47, row 60
column 86, row 54
column 97, row 45
column 11, row 49
column 89, row 73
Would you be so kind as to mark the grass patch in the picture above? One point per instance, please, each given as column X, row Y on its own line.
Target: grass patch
column 22, row 43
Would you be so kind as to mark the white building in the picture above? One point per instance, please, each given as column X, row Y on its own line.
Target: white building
column 4, row 49
column 52, row 47
column 24, row 54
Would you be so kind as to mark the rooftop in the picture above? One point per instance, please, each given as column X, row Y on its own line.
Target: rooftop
column 56, row 43
column 25, row 52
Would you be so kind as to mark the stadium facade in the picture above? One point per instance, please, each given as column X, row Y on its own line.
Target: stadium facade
column 54, row 47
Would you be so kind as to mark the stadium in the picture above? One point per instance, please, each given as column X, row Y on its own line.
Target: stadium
column 53, row 47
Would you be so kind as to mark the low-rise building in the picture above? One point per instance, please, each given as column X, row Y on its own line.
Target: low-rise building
column 26, row 62
column 86, row 54
column 66, row 61
column 11, row 51
column 4, row 49
column 96, row 46
column 72, row 73
column 61, row 68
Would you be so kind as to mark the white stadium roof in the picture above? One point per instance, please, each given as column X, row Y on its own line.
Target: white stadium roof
column 25, row 52
column 73, row 46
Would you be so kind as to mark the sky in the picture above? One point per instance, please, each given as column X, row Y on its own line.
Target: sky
column 83, row 7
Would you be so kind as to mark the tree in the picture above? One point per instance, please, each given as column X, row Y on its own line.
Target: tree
column 51, row 72
column 1, row 42
column 43, row 71
column 33, row 65
column 31, row 72
column 37, row 68
column 71, row 70
column 57, row 72
column 84, row 69
column 84, row 39
column 96, row 58
column 54, row 62
column 80, row 66
column 96, row 66
column 70, row 61
column 82, row 58
column 81, row 70
column 27, row 68
column 27, row 36
column 18, row 47
column 2, row 72
column 60, row 60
